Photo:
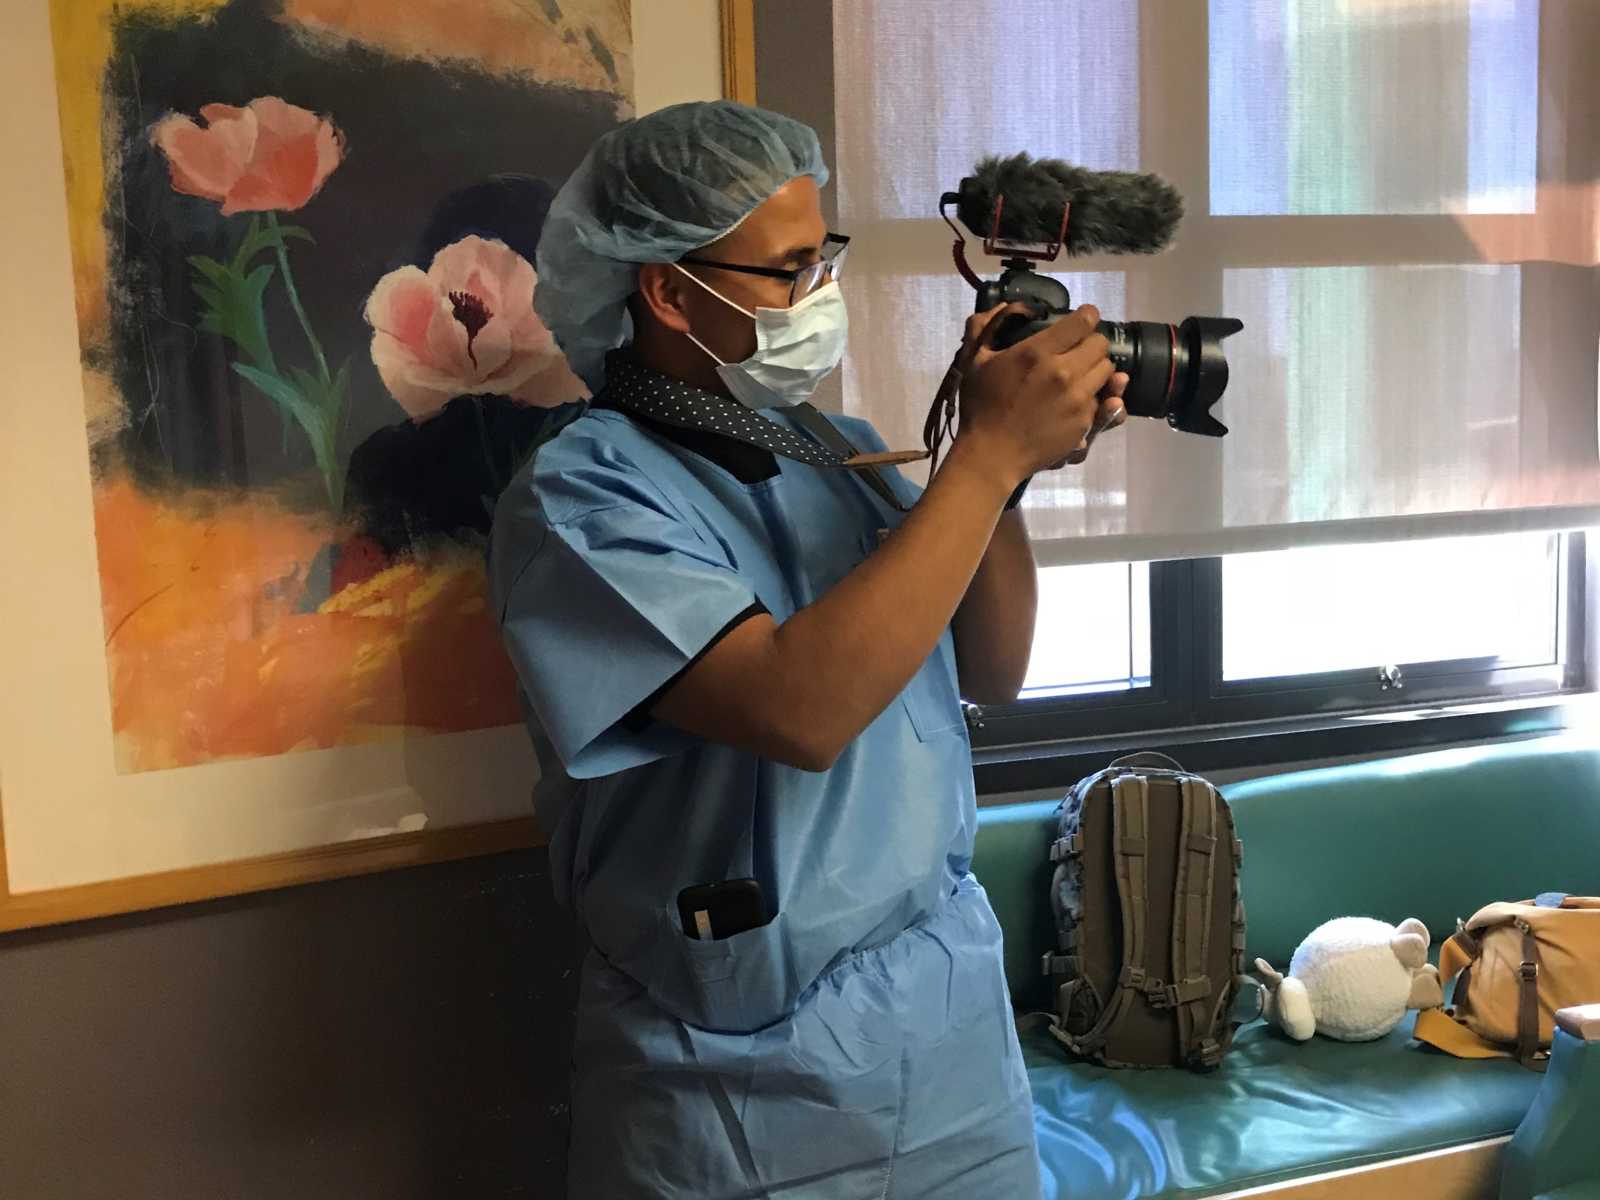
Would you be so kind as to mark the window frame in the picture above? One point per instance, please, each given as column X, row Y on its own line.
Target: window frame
column 1187, row 690
column 1439, row 681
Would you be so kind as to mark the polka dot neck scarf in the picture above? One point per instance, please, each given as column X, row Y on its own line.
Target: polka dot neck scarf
column 635, row 388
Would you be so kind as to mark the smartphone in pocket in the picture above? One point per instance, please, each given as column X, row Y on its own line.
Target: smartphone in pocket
column 712, row 911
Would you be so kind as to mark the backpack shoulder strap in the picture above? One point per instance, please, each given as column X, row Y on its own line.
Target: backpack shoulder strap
column 1191, row 987
column 1130, row 824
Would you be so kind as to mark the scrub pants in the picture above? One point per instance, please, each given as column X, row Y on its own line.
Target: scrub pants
column 898, row 1077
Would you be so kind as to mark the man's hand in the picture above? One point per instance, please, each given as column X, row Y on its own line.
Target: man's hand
column 1110, row 415
column 1036, row 404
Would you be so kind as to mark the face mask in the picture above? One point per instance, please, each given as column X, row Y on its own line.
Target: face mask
column 796, row 348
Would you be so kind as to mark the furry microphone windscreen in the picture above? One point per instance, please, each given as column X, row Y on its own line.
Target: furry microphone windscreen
column 1113, row 212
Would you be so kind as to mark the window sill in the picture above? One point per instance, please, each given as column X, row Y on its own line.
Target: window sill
column 1217, row 748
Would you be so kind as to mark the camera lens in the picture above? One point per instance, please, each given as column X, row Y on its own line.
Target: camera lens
column 1174, row 371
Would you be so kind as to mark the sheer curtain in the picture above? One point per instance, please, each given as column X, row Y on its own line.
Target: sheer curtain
column 1397, row 197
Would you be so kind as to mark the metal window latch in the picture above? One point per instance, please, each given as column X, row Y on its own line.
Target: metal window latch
column 973, row 714
column 1391, row 678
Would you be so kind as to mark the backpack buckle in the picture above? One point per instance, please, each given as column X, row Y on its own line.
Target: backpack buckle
column 1052, row 965
column 1208, row 1053
column 1160, row 995
column 1528, row 972
column 1132, row 977
column 1066, row 847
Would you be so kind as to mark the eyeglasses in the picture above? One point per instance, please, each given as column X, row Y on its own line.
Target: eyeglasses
column 802, row 280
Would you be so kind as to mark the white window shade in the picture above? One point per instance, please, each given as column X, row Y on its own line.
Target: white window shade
column 1397, row 197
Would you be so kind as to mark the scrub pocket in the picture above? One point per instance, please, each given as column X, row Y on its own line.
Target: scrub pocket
column 734, row 984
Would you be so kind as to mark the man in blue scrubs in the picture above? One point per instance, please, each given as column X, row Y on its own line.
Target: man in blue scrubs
column 743, row 660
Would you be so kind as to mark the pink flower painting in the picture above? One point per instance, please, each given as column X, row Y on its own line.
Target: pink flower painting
column 270, row 156
column 466, row 326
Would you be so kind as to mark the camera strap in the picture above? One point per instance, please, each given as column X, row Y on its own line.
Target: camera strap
column 637, row 389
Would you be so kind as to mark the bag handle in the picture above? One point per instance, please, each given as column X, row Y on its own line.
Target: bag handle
column 1528, row 1052
column 1149, row 758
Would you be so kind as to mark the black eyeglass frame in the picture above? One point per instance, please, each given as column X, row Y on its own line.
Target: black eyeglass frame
column 829, row 266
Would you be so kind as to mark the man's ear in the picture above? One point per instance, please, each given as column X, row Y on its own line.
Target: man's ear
column 662, row 295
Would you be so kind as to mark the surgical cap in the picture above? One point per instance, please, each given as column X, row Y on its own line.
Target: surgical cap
column 652, row 191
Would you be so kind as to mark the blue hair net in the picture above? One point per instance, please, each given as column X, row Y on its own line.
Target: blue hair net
column 652, row 191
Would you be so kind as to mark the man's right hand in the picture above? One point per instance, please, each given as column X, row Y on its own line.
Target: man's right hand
column 1032, row 405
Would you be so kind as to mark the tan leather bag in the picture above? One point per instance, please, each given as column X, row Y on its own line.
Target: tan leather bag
column 1515, row 965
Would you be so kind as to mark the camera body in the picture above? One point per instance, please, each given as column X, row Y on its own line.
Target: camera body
column 1176, row 372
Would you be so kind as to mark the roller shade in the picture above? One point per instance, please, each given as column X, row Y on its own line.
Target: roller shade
column 1397, row 197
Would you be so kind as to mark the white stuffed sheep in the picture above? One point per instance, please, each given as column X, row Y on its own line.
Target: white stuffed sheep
column 1352, row 979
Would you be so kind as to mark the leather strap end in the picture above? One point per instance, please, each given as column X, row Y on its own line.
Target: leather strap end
column 885, row 458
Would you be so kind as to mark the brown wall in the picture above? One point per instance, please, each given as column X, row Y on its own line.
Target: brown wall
column 396, row 1036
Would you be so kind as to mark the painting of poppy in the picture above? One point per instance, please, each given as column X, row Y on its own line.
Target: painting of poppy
column 303, row 237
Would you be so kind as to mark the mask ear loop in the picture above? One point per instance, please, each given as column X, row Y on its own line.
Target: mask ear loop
column 689, row 333
column 713, row 291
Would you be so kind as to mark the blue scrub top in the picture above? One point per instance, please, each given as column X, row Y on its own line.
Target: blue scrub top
column 618, row 557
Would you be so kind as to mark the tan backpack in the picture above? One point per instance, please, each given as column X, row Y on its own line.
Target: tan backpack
column 1515, row 965
column 1149, row 925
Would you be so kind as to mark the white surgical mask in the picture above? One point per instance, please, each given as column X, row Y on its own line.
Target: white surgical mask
column 796, row 348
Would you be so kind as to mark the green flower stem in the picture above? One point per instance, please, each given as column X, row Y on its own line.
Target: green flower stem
column 294, row 296
column 486, row 445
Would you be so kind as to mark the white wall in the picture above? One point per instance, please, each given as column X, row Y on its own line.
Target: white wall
column 677, row 52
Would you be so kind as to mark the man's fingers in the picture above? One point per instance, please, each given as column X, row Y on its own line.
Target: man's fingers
column 1111, row 413
column 1069, row 331
column 1115, row 386
column 977, row 321
column 1089, row 356
column 1091, row 377
column 988, row 323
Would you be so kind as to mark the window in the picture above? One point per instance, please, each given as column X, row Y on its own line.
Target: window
column 1340, row 608
column 1396, row 199
column 1126, row 648
column 1093, row 631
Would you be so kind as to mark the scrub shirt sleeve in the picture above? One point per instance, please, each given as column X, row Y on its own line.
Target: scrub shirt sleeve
column 609, row 596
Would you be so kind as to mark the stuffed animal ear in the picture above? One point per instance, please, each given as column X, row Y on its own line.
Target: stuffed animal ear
column 1274, row 978
column 1410, row 948
column 1412, row 925
column 1425, row 989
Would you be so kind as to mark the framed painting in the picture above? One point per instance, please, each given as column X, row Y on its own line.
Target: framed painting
column 275, row 359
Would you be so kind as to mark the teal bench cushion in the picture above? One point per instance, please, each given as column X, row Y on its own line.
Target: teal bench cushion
column 1274, row 1111
column 1436, row 836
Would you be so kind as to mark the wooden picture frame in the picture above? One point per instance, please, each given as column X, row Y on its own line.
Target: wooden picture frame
column 739, row 50
column 44, row 313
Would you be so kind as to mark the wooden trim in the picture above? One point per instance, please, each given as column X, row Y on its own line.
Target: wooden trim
column 1470, row 1172
column 739, row 50
column 141, row 892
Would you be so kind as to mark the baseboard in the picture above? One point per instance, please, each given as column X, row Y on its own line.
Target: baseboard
column 1470, row 1172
